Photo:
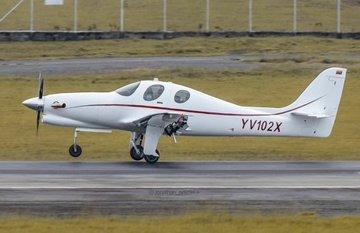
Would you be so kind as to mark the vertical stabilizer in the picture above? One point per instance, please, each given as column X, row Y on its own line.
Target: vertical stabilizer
column 319, row 103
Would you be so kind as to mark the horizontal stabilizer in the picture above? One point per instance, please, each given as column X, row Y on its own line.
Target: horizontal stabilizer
column 310, row 115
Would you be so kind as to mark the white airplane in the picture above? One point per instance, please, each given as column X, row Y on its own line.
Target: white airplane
column 149, row 109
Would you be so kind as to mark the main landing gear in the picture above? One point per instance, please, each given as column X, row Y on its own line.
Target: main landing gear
column 137, row 150
column 138, row 154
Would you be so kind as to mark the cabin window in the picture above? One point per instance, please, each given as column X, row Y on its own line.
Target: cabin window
column 153, row 92
column 128, row 90
column 181, row 96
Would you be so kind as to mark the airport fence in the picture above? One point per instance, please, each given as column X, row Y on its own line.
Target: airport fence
column 339, row 16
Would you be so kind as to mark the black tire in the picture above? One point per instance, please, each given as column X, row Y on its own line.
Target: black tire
column 74, row 153
column 136, row 156
column 151, row 159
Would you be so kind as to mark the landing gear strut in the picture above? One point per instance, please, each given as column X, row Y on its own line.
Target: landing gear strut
column 136, row 150
column 75, row 150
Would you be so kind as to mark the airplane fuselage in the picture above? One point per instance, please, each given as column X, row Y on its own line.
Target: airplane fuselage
column 208, row 116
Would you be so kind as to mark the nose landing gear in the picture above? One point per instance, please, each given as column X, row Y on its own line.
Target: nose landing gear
column 75, row 150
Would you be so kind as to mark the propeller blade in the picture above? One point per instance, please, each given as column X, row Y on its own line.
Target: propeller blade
column 41, row 86
column 37, row 122
column 40, row 108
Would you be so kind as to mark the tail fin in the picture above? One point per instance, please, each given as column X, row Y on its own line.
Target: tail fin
column 318, row 104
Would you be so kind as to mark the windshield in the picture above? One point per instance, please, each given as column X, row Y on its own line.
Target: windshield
column 128, row 90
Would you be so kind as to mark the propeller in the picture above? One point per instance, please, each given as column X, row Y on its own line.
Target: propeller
column 40, row 108
column 37, row 103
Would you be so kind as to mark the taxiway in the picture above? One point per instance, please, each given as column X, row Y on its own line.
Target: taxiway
column 69, row 66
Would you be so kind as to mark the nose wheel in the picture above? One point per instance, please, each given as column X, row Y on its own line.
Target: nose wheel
column 75, row 150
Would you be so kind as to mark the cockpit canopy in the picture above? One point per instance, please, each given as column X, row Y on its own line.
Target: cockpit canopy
column 128, row 90
column 154, row 91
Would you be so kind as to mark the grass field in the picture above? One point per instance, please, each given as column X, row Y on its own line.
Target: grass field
column 188, row 223
column 184, row 15
column 306, row 49
column 277, row 82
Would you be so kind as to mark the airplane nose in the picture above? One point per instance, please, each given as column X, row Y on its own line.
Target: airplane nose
column 34, row 103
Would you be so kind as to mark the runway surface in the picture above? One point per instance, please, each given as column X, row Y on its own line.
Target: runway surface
column 72, row 188
column 60, row 66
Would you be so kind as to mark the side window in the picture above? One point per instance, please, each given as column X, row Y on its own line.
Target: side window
column 181, row 96
column 153, row 92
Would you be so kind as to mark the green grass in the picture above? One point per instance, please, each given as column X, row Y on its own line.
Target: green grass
column 187, row 223
column 306, row 49
column 184, row 15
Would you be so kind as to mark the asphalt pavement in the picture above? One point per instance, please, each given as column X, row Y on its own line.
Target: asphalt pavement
column 68, row 66
column 73, row 188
